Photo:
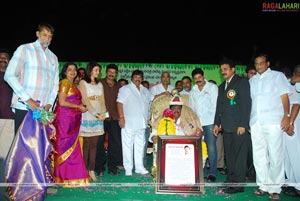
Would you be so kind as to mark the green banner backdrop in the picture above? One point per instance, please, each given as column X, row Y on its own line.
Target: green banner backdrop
column 152, row 71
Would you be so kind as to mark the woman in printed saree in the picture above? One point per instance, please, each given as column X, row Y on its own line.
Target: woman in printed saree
column 69, row 167
column 92, row 128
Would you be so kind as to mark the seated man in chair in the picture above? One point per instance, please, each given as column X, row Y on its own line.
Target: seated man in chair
column 178, row 120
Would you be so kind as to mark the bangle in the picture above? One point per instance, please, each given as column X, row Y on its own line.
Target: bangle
column 291, row 123
column 287, row 115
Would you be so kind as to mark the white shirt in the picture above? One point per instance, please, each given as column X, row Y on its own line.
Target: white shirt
column 297, row 86
column 294, row 97
column 204, row 102
column 266, row 90
column 33, row 73
column 136, row 105
column 228, row 81
column 159, row 88
column 184, row 92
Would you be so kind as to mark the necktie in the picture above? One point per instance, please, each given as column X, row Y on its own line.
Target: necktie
column 226, row 85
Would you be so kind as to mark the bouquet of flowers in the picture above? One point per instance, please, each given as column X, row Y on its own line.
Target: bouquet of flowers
column 43, row 115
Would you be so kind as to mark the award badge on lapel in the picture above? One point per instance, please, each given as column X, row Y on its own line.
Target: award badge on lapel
column 231, row 96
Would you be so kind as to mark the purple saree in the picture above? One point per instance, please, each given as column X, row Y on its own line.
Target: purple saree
column 69, row 167
column 28, row 162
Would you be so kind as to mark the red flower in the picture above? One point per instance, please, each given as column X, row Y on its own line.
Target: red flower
column 168, row 113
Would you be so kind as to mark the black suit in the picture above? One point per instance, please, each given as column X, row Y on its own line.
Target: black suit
column 233, row 111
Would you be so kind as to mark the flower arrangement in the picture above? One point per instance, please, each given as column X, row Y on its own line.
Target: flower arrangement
column 43, row 115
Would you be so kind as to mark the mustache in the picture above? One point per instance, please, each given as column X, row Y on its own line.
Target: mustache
column 198, row 82
column 224, row 74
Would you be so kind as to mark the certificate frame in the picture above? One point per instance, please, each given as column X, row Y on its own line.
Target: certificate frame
column 180, row 180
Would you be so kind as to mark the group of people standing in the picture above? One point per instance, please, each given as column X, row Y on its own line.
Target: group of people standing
column 258, row 118
column 264, row 111
column 84, row 110
column 92, row 111
column 260, row 110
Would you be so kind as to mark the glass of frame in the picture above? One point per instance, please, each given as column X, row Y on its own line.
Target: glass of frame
column 179, row 165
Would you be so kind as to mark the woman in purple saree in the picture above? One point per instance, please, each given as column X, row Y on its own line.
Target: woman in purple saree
column 69, row 167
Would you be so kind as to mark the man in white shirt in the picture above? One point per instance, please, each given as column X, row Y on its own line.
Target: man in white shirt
column 292, row 143
column 270, row 117
column 187, row 85
column 164, row 87
column 133, row 104
column 203, row 101
column 176, row 105
column 184, row 123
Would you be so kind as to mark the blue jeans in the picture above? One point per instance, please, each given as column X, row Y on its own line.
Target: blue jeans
column 211, row 143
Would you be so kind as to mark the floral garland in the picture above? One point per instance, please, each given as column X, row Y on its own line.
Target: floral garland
column 204, row 150
column 166, row 125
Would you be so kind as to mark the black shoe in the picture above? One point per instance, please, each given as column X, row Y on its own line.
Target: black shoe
column 111, row 172
column 287, row 188
column 232, row 190
column 211, row 178
column 101, row 174
column 120, row 167
column 250, row 179
column 293, row 193
column 222, row 171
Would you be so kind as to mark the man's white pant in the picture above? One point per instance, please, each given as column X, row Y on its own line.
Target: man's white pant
column 292, row 159
column 133, row 141
column 267, row 143
column 7, row 135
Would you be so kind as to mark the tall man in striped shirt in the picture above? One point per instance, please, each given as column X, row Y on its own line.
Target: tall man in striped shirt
column 33, row 74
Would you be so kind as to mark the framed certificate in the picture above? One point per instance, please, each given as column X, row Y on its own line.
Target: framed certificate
column 179, row 165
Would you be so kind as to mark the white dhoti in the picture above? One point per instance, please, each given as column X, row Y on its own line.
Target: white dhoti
column 133, row 141
column 291, row 159
column 268, row 156
column 6, row 136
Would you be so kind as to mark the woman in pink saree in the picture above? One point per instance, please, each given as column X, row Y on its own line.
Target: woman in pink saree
column 69, row 167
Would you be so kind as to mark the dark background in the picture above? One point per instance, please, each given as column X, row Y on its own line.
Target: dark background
column 156, row 32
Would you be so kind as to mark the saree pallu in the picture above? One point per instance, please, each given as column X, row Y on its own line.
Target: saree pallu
column 27, row 167
column 69, row 167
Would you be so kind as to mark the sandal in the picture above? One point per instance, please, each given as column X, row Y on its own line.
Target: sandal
column 274, row 197
column 260, row 193
column 93, row 176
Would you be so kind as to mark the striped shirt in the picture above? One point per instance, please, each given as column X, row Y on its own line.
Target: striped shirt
column 33, row 73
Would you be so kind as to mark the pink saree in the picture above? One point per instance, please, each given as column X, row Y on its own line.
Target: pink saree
column 69, row 167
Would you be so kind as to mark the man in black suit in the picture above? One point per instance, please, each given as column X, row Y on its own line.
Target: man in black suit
column 232, row 116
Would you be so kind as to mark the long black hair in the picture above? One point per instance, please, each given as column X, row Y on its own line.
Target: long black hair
column 89, row 70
